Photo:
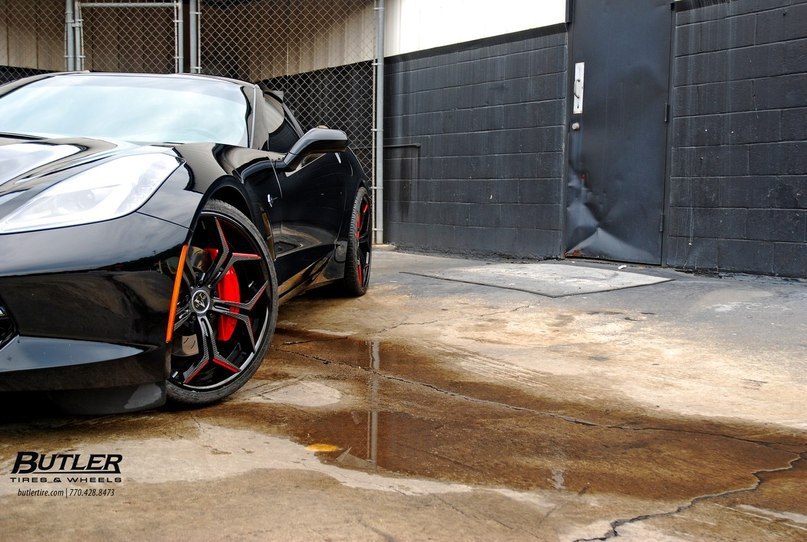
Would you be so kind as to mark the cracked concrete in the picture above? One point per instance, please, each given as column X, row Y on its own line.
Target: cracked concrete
column 616, row 525
column 431, row 409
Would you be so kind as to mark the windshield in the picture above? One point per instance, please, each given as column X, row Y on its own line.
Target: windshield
column 139, row 109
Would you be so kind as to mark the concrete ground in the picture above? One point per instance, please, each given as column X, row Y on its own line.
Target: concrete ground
column 468, row 400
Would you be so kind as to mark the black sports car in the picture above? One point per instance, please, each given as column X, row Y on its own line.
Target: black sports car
column 150, row 225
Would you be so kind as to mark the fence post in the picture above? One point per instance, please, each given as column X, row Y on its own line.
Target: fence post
column 69, row 36
column 378, row 197
column 179, row 37
column 195, row 15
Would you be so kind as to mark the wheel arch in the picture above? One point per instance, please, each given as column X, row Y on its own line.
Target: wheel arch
column 358, row 180
column 231, row 195
column 231, row 191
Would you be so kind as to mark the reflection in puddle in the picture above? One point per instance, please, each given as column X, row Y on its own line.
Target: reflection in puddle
column 373, row 428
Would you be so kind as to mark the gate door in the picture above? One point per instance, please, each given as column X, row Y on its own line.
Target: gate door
column 130, row 36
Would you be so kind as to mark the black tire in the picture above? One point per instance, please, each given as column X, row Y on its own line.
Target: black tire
column 359, row 247
column 226, row 310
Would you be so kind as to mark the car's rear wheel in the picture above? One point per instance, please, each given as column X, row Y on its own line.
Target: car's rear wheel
column 226, row 309
column 359, row 247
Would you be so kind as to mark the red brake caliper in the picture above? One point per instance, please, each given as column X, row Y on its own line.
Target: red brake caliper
column 359, row 219
column 358, row 236
column 228, row 289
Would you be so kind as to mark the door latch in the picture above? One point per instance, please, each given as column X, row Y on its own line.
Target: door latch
column 579, row 76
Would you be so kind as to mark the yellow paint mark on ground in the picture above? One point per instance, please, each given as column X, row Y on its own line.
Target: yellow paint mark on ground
column 322, row 448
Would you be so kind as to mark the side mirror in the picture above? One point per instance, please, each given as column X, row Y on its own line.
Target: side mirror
column 315, row 141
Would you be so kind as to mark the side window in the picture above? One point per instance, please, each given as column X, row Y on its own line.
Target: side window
column 281, row 134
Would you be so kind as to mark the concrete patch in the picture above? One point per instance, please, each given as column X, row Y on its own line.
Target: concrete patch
column 228, row 452
column 546, row 279
column 302, row 394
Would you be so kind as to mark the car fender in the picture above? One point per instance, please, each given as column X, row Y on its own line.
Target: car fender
column 184, row 194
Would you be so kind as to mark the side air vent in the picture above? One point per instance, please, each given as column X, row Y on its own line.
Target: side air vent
column 6, row 326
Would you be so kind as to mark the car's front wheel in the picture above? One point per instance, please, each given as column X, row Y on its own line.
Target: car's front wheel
column 226, row 309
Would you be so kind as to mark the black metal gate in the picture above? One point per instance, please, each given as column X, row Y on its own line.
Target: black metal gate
column 618, row 109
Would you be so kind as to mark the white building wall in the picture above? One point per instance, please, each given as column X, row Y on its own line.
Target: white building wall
column 415, row 25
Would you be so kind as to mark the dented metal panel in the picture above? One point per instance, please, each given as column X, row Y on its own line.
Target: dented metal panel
column 617, row 142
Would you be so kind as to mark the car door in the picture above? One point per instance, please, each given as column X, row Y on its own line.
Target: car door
column 306, row 204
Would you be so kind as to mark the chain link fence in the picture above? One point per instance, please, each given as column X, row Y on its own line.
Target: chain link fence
column 32, row 38
column 318, row 53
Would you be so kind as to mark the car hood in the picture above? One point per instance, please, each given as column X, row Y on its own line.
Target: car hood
column 29, row 165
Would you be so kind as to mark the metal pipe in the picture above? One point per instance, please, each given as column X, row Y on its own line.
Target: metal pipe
column 128, row 5
column 69, row 36
column 194, row 38
column 379, row 124
column 179, row 36
column 78, row 33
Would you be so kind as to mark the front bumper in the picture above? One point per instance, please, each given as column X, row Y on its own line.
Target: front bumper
column 88, row 306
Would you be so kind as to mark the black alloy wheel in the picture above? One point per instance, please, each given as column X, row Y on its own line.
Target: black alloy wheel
column 359, row 247
column 226, row 310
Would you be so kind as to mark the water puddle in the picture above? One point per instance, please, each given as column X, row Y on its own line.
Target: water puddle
column 387, row 408
column 412, row 413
